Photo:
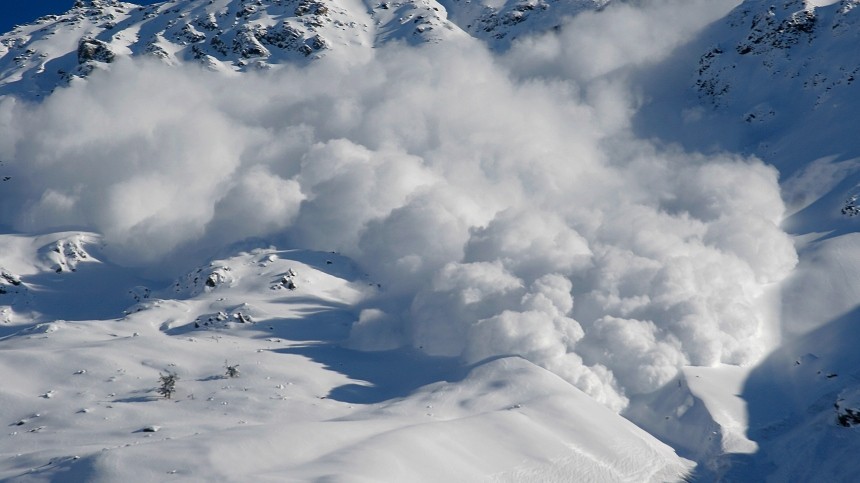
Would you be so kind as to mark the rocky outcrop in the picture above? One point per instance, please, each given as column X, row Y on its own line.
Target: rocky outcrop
column 847, row 408
column 9, row 282
column 204, row 279
column 94, row 50
column 66, row 253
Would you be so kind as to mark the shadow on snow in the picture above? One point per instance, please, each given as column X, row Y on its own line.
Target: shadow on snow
column 794, row 391
column 386, row 375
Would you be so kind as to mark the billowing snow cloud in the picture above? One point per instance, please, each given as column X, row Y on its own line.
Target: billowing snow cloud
column 504, row 212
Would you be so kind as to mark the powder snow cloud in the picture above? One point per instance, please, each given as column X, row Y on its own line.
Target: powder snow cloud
column 504, row 206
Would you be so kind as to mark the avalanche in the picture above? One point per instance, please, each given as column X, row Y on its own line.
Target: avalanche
column 486, row 243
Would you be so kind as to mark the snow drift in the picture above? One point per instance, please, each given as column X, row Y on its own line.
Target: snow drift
column 504, row 211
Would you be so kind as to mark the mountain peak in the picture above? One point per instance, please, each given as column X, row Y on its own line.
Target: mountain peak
column 95, row 3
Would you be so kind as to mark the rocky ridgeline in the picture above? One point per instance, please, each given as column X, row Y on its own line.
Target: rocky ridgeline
column 504, row 22
column 218, row 34
column 239, row 35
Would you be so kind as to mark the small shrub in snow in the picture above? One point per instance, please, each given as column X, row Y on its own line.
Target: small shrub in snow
column 232, row 371
column 168, row 384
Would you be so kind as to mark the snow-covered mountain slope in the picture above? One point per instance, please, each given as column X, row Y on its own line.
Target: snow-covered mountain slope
column 768, row 44
column 35, row 272
column 701, row 415
column 241, row 35
column 501, row 22
column 81, row 400
column 801, row 402
column 226, row 35
column 787, row 73
column 779, row 81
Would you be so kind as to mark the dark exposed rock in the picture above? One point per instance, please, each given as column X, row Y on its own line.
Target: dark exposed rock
column 247, row 45
column 847, row 408
column 94, row 50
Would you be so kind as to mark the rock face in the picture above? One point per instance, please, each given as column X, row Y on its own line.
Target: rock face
column 94, row 50
column 238, row 35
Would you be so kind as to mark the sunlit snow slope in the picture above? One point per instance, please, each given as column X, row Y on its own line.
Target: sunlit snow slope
column 82, row 404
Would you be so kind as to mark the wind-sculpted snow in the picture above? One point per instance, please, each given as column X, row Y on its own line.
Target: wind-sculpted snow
column 501, row 212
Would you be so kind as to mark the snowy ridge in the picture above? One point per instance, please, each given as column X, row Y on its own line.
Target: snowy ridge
column 242, row 35
column 84, row 402
column 224, row 35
